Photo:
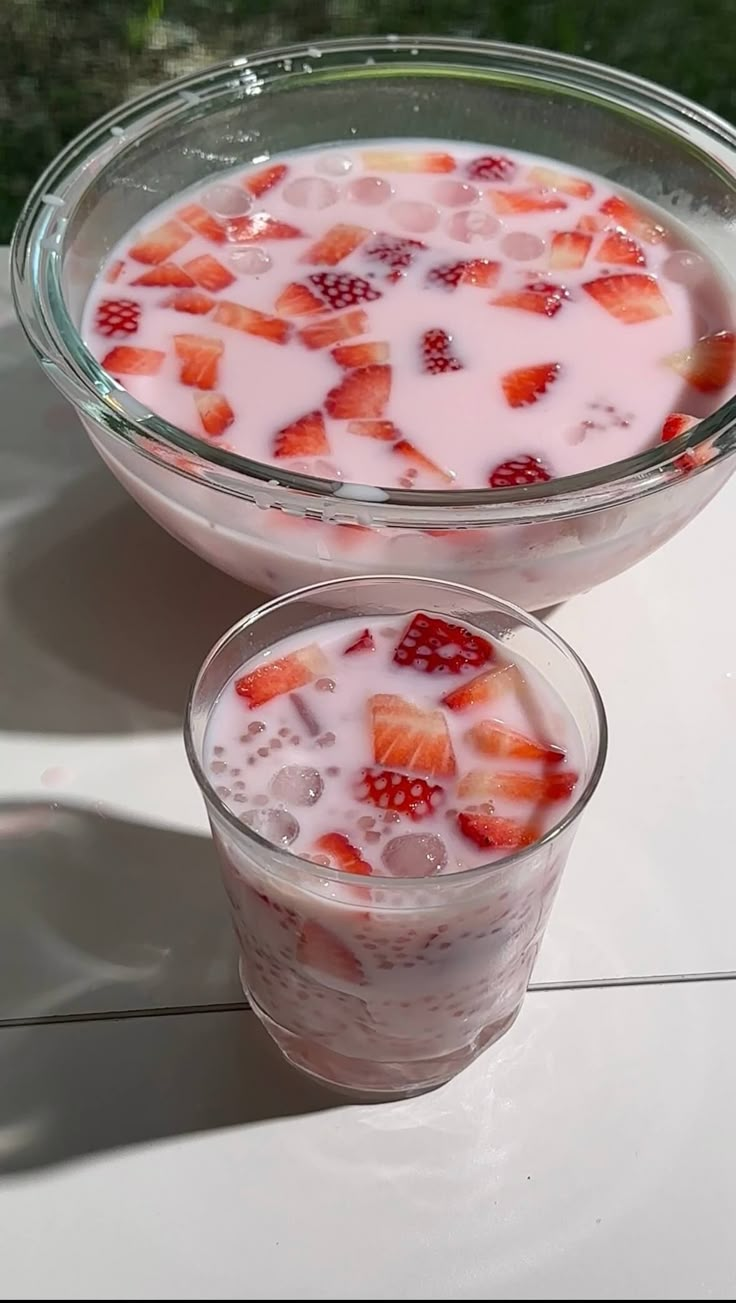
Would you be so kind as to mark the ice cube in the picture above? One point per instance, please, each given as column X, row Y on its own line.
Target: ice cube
column 297, row 785
column 274, row 823
column 415, row 855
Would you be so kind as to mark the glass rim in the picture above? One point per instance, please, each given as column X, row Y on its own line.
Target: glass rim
column 36, row 264
column 285, row 857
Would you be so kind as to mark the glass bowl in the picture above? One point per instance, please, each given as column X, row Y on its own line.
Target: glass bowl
column 278, row 529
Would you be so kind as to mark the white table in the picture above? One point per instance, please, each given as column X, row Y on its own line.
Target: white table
column 152, row 1144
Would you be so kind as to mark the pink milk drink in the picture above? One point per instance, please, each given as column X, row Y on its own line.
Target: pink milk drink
column 392, row 795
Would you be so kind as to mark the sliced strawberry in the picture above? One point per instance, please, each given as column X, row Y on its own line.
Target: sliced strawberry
column 332, row 329
column 215, row 413
column 635, row 222
column 340, row 289
column 260, row 226
column 409, row 736
column 492, row 833
column 592, row 223
column 363, row 393
column 197, row 217
column 541, row 296
column 384, row 430
column 298, row 301
column 159, row 244
column 448, row 275
column 435, row 646
column 327, row 954
column 409, row 451
column 550, row 179
column 336, row 244
column 113, row 272
column 395, row 252
column 399, row 160
column 709, row 364
column 413, row 797
column 484, row 688
column 436, row 353
column 481, row 784
column 166, row 274
column 629, row 297
column 303, row 438
column 675, row 425
column 491, row 167
column 527, row 384
column 259, row 182
column 128, row 361
column 199, row 355
column 525, row 201
column 208, row 273
column 494, row 739
column 117, row 318
column 252, row 322
column 363, row 643
column 193, row 301
column 352, row 355
column 569, row 249
column 481, row 272
column 283, row 675
column 618, row 247
column 517, row 472
column 342, row 851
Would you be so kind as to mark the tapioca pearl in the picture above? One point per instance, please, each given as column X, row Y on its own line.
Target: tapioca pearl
column 227, row 200
column 218, row 751
column 334, row 164
column 370, row 190
column 472, row 226
column 522, row 246
column 218, row 766
column 257, row 726
column 454, row 194
column 325, row 685
column 224, row 792
column 312, row 192
column 249, row 260
column 685, row 267
column 415, row 216
column 263, row 751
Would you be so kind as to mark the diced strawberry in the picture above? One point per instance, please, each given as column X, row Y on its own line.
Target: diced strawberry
column 482, row 784
column 336, row 244
column 436, row 353
column 113, row 272
column 484, row 688
column 494, row 739
column 399, row 160
column 346, row 856
column 363, row 393
column 117, row 318
column 540, row 296
column 128, row 361
column 618, row 247
column 550, row 179
column 327, row 954
column 491, row 167
column 404, row 448
column 436, row 646
column 629, row 297
column 199, row 355
column 197, row 217
column 413, row 797
column 215, row 413
column 352, row 355
column 569, row 249
column 517, row 472
column 633, row 221
column 384, row 430
column 193, row 301
column 252, row 322
column 166, row 274
column 709, row 364
column 298, row 301
column 492, row 833
column 340, row 289
column 283, row 675
column 259, row 182
column 525, row 201
column 363, row 643
column 209, row 273
column 410, row 736
column 481, row 272
column 305, row 437
column 676, row 424
column 395, row 252
column 161, row 243
column 592, row 223
column 527, row 384
column 260, row 226
column 333, row 329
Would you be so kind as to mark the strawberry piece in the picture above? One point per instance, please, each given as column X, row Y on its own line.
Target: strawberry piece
column 336, row 244
column 437, row 354
column 260, row 226
column 259, row 182
column 527, row 384
column 348, row 858
column 592, row 223
column 363, row 393
column 305, row 437
column 630, row 297
column 403, row 448
column 252, row 322
column 117, row 318
column 517, row 472
column 199, row 355
column 352, row 355
column 480, row 784
column 409, row 736
column 569, row 249
column 208, row 273
column 525, row 201
column 283, row 675
column 676, row 424
column 158, row 245
column 364, row 642
column 166, row 274
column 197, row 217
column 395, row 252
column 618, row 247
column 215, row 413
column 494, row 739
column 436, row 646
column 491, row 167
column 484, row 688
column 541, row 296
column 340, row 289
column 635, row 222
column 113, row 272
column 413, row 797
column 331, row 330
column 384, row 430
column 550, row 179
column 481, row 272
column 193, row 301
column 492, row 833
column 399, row 160
column 298, row 301
column 709, row 364
column 448, row 275
column 128, row 361
column 327, row 954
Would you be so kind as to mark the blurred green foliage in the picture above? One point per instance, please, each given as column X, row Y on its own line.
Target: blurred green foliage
column 63, row 64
